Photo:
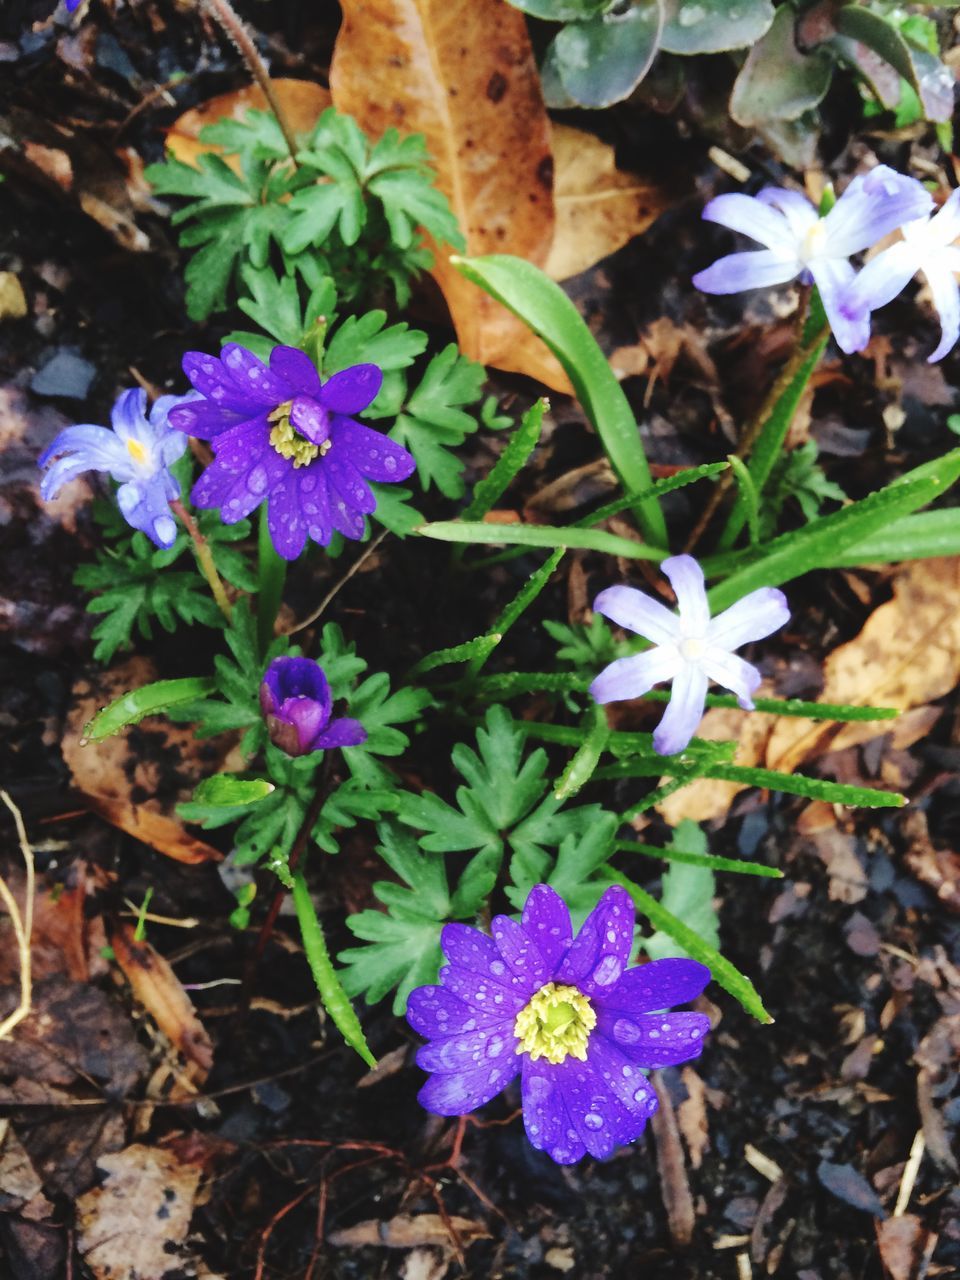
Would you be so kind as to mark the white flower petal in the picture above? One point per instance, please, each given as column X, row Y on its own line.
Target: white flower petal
column 946, row 298
column 755, row 616
column 638, row 612
column 686, row 578
column 732, row 673
column 684, row 710
column 632, row 677
column 752, row 217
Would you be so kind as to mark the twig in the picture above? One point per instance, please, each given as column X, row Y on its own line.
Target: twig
column 910, row 1171
column 224, row 12
column 204, row 558
column 341, row 582
column 22, row 924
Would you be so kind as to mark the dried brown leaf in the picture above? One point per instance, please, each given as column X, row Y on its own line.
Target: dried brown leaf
column 408, row 1231
column 903, row 1243
column 302, row 101
column 462, row 73
column 159, row 990
column 598, row 208
column 133, row 1226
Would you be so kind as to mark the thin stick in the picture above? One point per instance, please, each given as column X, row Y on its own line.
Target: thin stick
column 910, row 1171
column 239, row 33
column 341, row 582
column 204, row 556
column 22, row 925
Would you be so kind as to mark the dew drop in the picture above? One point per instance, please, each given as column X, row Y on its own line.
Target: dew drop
column 642, row 1095
column 593, row 1121
column 607, row 971
column 625, row 1031
column 690, row 15
column 498, row 967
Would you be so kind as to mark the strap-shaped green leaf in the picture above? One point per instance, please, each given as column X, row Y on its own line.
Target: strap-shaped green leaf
column 148, row 700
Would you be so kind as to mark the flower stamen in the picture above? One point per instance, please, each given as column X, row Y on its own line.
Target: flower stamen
column 555, row 1024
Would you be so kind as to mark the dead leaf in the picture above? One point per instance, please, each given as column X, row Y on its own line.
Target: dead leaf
column 19, row 1183
column 13, row 301
column 674, row 1184
column 63, row 940
column 408, row 1231
column 692, row 1117
column 903, row 1243
column 938, row 868
column 303, row 103
column 598, row 208
column 160, row 762
column 159, row 990
column 134, row 1226
column 907, row 655
column 462, row 73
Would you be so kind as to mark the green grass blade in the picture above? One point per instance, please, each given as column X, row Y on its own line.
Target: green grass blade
column 537, row 535
column 918, row 537
column 724, row 973
column 699, row 859
column 581, row 768
column 546, row 309
column 148, row 700
column 512, row 459
column 688, row 476
column 479, row 646
column 517, row 606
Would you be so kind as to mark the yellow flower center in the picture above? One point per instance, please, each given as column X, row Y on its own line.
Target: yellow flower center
column 557, row 1022
column 136, row 450
column 288, row 442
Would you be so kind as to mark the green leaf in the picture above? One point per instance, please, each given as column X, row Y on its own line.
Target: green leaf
column 543, row 306
column 581, row 767
column 688, row 891
column 670, row 854
column 514, row 457
column 364, row 340
column 561, row 10
column 713, row 26
column 517, row 607
column 148, row 700
column 572, row 873
column 602, row 59
column 332, row 994
column 537, row 535
column 777, row 82
column 433, row 423
column 746, row 497
column 918, row 537
column 723, row 972
column 479, row 647
column 879, row 35
column 228, row 789
column 380, row 711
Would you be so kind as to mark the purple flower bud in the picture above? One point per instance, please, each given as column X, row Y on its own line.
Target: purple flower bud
column 296, row 703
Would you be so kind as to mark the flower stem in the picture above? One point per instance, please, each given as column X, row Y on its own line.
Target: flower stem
column 271, row 575
column 224, row 12
column 201, row 549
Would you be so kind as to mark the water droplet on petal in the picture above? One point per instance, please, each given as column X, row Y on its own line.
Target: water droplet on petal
column 608, row 971
column 625, row 1031
column 593, row 1121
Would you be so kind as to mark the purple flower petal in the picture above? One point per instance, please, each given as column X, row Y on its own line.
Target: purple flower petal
column 521, row 953
column 128, row 412
column 873, row 205
column 684, row 711
column 371, row 452
column 654, row 1040
column 315, row 502
column 213, row 380
column 294, row 367
column 341, row 733
column 946, row 299
column 547, row 920
column 348, row 482
column 85, row 447
column 463, row 1091
column 352, row 390
column 598, row 955
column 310, row 419
column 730, row 671
column 545, row 1114
column 751, row 217
column 469, row 1049
column 437, row 1012
column 632, row 677
column 833, row 277
column 637, row 612
column 601, row 1120
column 484, row 993
column 757, row 615
column 288, row 532
column 468, row 947
column 345, row 517
column 686, row 578
column 252, row 377
column 757, row 269
column 654, row 986
column 624, row 1079
column 145, row 506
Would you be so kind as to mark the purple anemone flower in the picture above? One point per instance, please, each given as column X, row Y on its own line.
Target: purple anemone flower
column 928, row 247
column 279, row 434
column 565, row 1013
column 691, row 648
column 296, row 703
column 138, row 452
column 798, row 242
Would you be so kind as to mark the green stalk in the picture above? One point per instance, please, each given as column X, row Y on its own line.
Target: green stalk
column 271, row 576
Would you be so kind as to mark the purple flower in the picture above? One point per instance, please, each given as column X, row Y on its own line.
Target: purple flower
column 281, row 434
column 296, row 703
column 798, row 242
column 566, row 1014
column 927, row 247
column 690, row 649
column 137, row 452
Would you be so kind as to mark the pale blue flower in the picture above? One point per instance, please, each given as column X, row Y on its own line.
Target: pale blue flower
column 800, row 243
column 928, row 249
column 691, row 648
column 137, row 450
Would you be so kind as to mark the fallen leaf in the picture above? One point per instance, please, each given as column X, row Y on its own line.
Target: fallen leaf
column 903, row 1242
column 692, row 1117
column 19, row 1181
column 63, row 940
column 907, row 655
column 13, row 301
column 462, row 73
column 152, row 761
column 674, row 1183
column 408, row 1231
column 938, row 868
column 133, row 1227
column 303, row 102
column 844, row 1182
column 160, row 991
column 598, row 208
